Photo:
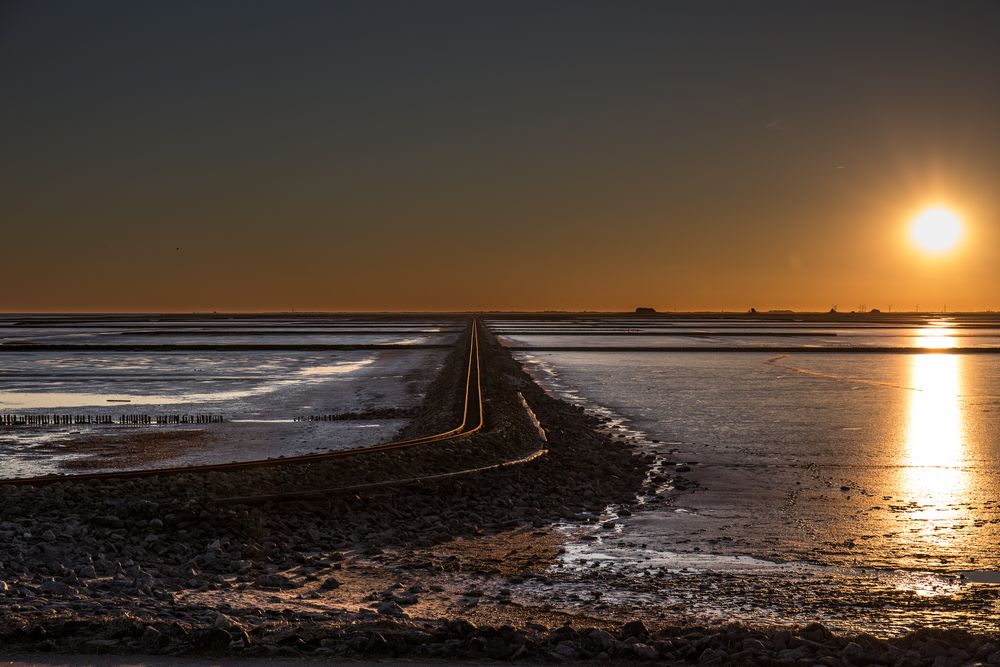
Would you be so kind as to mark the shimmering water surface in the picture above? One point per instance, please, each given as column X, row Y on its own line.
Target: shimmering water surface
column 860, row 486
column 258, row 391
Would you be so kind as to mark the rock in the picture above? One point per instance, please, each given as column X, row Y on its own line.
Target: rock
column 242, row 566
column 935, row 648
column 476, row 646
column 274, row 581
column 993, row 659
column 853, row 653
column 833, row 661
column 329, row 584
column 602, row 639
column 781, row 639
column 226, row 623
column 144, row 582
column 53, row 587
column 213, row 639
column 634, row 629
column 959, row 655
column 816, row 632
column 986, row 650
column 497, row 649
column 460, row 628
column 566, row 650
column 377, row 643
column 151, row 637
column 108, row 521
column 644, row 651
column 390, row 608
column 244, row 638
column 794, row 654
column 711, row 656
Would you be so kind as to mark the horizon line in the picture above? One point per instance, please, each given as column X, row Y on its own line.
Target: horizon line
column 548, row 311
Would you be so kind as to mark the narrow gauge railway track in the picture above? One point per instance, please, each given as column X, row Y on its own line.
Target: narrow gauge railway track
column 473, row 419
column 315, row 494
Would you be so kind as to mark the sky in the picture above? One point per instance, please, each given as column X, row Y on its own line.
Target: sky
column 302, row 155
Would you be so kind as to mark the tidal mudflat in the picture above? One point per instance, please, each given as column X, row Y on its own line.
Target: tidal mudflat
column 860, row 490
column 264, row 377
column 620, row 541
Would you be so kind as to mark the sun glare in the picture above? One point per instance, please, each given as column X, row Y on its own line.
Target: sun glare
column 936, row 230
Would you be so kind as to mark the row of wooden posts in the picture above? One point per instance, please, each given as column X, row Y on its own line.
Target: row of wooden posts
column 320, row 418
column 86, row 420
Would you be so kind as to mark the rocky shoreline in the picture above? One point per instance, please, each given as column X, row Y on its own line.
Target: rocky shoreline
column 167, row 566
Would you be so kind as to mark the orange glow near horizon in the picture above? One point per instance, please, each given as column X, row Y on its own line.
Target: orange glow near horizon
column 515, row 157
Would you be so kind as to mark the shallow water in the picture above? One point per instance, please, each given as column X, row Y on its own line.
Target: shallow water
column 821, row 482
column 195, row 382
column 940, row 333
column 260, row 393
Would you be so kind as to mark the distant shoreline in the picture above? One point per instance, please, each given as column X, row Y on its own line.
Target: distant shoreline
column 737, row 314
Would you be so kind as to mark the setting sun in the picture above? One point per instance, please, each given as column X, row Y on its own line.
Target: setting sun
column 936, row 229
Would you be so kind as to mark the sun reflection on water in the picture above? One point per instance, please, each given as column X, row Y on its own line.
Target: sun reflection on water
column 935, row 478
column 936, row 338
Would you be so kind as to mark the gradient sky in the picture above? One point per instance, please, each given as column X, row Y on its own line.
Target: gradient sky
column 417, row 155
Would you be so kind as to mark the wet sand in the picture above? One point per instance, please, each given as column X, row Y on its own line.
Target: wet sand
column 270, row 404
column 128, row 449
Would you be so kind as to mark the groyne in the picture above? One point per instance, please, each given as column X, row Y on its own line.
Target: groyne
column 13, row 420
